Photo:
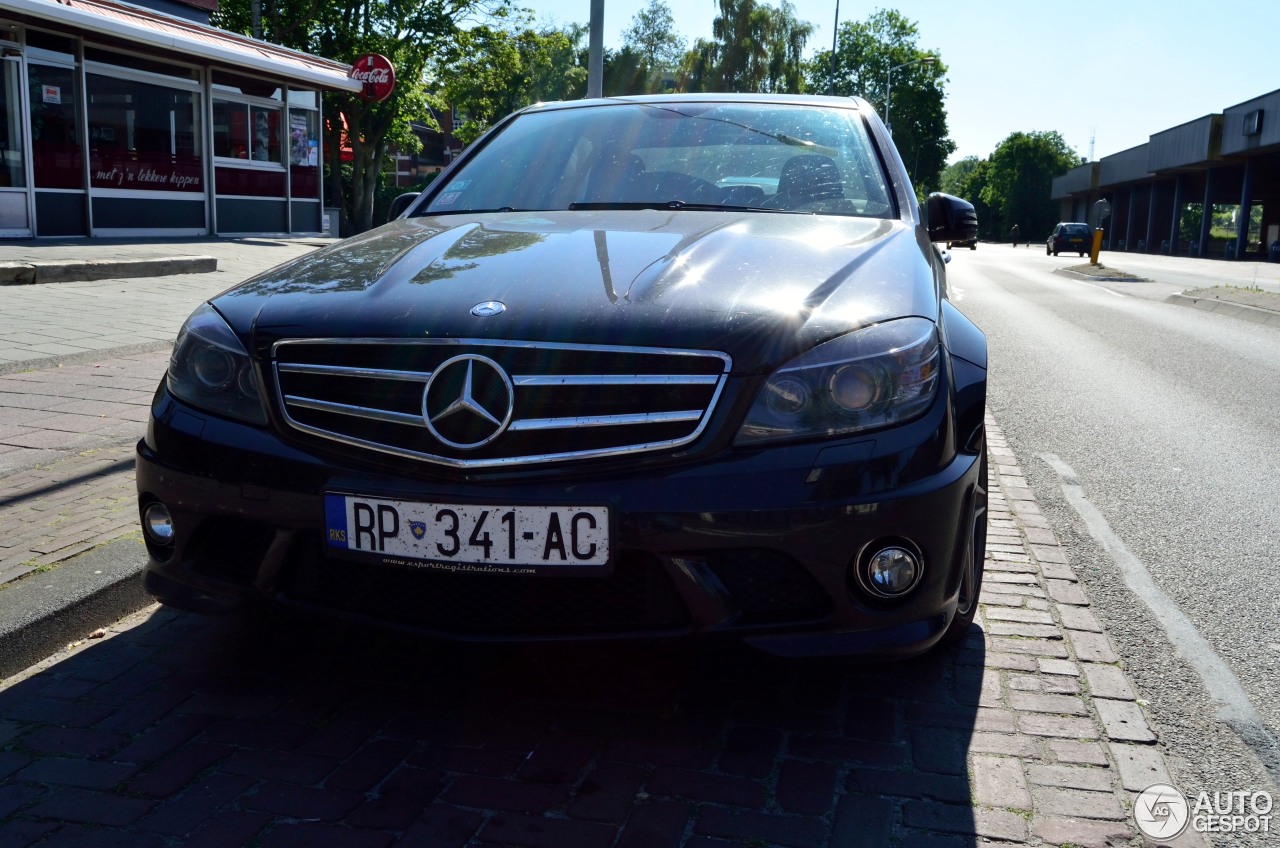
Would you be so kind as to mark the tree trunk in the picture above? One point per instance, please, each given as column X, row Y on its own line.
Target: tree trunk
column 335, row 198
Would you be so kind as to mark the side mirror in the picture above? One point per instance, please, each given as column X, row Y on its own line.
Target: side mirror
column 950, row 218
column 401, row 203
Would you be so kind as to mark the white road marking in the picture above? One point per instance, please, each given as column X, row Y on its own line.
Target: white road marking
column 1234, row 706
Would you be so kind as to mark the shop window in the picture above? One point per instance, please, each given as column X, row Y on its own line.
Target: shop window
column 304, row 153
column 12, row 161
column 247, row 132
column 304, row 99
column 264, row 144
column 56, row 154
column 142, row 136
column 61, row 45
column 138, row 63
column 234, row 84
column 230, row 130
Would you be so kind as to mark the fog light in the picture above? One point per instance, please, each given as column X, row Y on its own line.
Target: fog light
column 892, row 572
column 157, row 523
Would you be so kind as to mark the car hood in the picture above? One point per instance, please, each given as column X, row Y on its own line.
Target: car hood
column 760, row 287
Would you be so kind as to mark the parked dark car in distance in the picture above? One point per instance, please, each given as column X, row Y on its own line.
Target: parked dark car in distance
column 642, row 367
column 1068, row 237
column 971, row 243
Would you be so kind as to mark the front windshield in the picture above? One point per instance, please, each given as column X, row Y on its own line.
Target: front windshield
column 763, row 156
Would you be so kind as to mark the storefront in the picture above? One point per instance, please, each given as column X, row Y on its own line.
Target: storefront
column 120, row 121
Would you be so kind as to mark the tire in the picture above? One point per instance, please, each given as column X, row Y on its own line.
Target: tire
column 971, row 579
column 1082, row 256
column 1047, row 251
column 973, row 247
column 1055, row 253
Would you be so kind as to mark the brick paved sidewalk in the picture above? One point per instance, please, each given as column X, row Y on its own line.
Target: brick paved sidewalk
column 1081, row 747
column 67, row 437
column 189, row 728
column 84, row 319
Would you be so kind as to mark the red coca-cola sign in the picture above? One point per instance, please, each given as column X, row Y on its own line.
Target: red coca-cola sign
column 376, row 74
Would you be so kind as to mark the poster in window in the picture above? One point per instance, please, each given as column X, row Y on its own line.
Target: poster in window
column 52, row 94
column 302, row 141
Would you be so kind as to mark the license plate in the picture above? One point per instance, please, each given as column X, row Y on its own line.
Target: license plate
column 1076, row 241
column 471, row 534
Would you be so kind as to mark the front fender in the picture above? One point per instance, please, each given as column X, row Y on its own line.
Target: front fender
column 968, row 348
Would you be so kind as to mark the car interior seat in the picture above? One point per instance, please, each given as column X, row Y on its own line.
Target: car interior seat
column 806, row 179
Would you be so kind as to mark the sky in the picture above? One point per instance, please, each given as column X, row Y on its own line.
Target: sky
column 1102, row 74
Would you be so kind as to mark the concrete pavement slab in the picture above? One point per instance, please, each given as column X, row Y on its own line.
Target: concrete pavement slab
column 79, row 321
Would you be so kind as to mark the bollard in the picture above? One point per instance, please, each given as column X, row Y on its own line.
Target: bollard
column 1097, row 246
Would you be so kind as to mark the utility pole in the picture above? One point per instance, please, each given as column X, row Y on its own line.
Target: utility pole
column 835, row 34
column 595, row 51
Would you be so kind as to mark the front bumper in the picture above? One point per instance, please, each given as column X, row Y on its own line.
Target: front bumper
column 756, row 545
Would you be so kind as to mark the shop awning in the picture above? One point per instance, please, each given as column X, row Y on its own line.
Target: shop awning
column 214, row 45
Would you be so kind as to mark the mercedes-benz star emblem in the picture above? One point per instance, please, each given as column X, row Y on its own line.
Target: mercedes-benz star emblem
column 468, row 401
column 488, row 309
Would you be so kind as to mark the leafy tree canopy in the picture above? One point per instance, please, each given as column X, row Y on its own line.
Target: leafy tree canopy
column 957, row 174
column 491, row 72
column 754, row 47
column 1019, row 180
column 653, row 36
column 408, row 32
column 867, row 54
column 970, row 186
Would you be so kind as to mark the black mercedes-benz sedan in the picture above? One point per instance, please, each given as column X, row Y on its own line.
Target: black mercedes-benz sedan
column 630, row 368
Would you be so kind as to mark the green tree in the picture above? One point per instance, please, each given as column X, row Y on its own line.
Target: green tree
column 626, row 71
column 754, row 47
column 408, row 32
column 652, row 35
column 970, row 186
column 1019, row 180
column 957, row 174
column 866, row 52
column 493, row 71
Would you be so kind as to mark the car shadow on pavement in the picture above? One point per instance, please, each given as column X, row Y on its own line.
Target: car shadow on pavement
column 226, row 731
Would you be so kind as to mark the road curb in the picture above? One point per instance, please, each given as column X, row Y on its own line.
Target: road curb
column 42, row 613
column 1067, row 272
column 22, row 365
column 88, row 270
column 1257, row 314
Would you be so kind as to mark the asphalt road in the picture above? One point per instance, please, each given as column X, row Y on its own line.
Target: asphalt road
column 1148, row 432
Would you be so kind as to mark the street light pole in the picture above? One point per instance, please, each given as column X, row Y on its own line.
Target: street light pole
column 595, row 50
column 835, row 26
column 888, row 83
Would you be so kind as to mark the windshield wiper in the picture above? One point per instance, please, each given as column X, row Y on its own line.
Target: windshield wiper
column 434, row 212
column 676, row 204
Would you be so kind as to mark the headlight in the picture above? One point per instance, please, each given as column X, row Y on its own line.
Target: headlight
column 873, row 377
column 210, row 369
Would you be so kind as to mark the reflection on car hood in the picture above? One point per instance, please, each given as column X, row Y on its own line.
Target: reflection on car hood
column 757, row 286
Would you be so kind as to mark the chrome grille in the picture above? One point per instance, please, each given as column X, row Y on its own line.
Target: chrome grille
column 443, row 400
